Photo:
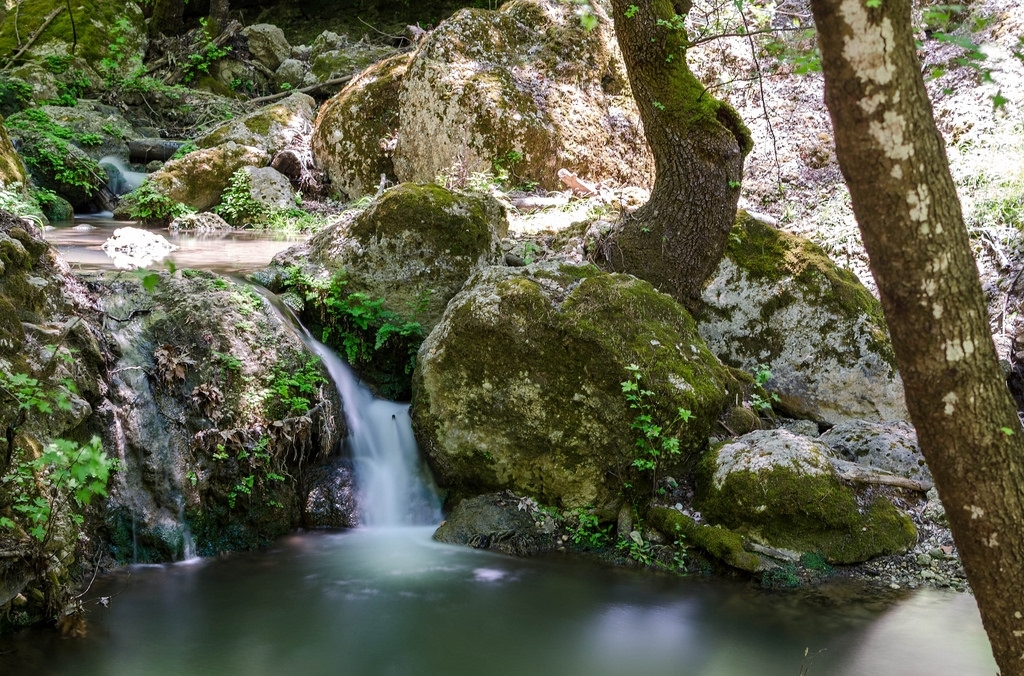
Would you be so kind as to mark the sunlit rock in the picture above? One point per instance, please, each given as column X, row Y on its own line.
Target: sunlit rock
column 132, row 248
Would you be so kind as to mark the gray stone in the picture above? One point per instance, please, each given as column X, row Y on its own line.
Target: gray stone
column 267, row 44
column 890, row 446
column 291, row 72
column 270, row 188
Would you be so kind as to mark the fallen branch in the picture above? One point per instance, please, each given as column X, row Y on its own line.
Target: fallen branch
column 281, row 95
column 576, row 183
column 35, row 36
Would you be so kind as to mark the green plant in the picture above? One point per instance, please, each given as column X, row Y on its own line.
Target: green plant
column 291, row 391
column 636, row 548
column 207, row 53
column 184, row 149
column 362, row 328
column 587, row 531
column 236, row 203
column 759, row 403
column 145, row 203
column 12, row 200
column 653, row 441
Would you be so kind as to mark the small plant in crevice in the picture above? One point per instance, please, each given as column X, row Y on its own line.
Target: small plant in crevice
column 259, row 472
column 762, row 404
column 237, row 205
column 291, row 392
column 654, row 441
column 146, row 203
column 204, row 56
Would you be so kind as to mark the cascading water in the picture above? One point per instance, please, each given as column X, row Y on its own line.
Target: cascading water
column 394, row 488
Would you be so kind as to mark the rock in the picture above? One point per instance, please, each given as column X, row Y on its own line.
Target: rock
column 525, row 87
column 267, row 44
column 781, row 490
column 414, row 247
column 494, row 521
column 519, row 386
column 291, row 73
column 331, row 501
column 273, row 128
column 98, row 130
column 889, row 446
column 199, row 178
column 201, row 222
column 355, row 129
column 271, row 188
column 777, row 299
column 719, row 542
column 60, row 166
column 206, row 424
column 132, row 248
column 804, row 428
column 328, row 41
column 348, row 60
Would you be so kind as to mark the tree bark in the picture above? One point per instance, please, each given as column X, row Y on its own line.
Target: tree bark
column 894, row 162
column 677, row 239
column 168, row 18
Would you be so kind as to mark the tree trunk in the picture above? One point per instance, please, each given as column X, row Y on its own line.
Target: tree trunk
column 168, row 18
column 676, row 240
column 894, row 162
column 218, row 16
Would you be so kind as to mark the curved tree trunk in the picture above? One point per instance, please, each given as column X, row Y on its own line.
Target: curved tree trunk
column 894, row 162
column 677, row 239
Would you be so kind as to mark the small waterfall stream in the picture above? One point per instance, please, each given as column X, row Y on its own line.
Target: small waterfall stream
column 394, row 487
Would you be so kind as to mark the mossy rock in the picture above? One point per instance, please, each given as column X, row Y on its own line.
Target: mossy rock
column 495, row 521
column 352, row 58
column 524, row 89
column 781, row 489
column 778, row 300
column 350, row 138
column 209, row 421
column 520, row 385
column 272, row 128
column 721, row 543
column 199, row 178
column 12, row 169
column 60, row 166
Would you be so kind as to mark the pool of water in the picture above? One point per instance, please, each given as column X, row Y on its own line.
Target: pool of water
column 234, row 251
column 391, row 601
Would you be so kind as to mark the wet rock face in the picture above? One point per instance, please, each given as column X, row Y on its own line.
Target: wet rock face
column 216, row 411
column 519, row 386
column 777, row 299
column 331, row 498
column 497, row 521
column 780, row 489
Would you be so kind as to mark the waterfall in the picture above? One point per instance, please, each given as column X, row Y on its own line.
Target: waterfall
column 394, row 488
column 121, row 179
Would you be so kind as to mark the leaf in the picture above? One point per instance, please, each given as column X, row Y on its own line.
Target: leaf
column 150, row 281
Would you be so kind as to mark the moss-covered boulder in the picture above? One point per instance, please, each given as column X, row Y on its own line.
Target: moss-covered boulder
column 12, row 169
column 526, row 89
column 520, row 386
column 355, row 129
column 199, row 178
column 92, row 39
column 780, row 489
column 220, row 410
column 348, row 58
column 272, row 128
column 778, row 300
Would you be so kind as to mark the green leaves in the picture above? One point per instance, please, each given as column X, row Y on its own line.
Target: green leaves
column 652, row 441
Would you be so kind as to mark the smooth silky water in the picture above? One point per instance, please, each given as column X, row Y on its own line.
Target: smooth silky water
column 387, row 600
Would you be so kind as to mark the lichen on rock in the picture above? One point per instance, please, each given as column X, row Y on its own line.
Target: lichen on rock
column 777, row 299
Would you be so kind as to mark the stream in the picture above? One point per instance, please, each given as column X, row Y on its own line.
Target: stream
column 386, row 599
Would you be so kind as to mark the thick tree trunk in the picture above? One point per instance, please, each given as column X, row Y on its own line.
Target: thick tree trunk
column 677, row 239
column 218, row 15
column 894, row 162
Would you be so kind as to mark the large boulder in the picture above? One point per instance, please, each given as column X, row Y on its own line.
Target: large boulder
column 781, row 490
column 520, row 386
column 267, row 44
column 12, row 169
column 355, row 129
column 216, row 410
column 778, row 300
column 525, row 87
column 199, row 178
column 414, row 248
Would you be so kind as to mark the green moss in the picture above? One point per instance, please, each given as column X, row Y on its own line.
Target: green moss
column 725, row 545
column 808, row 513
